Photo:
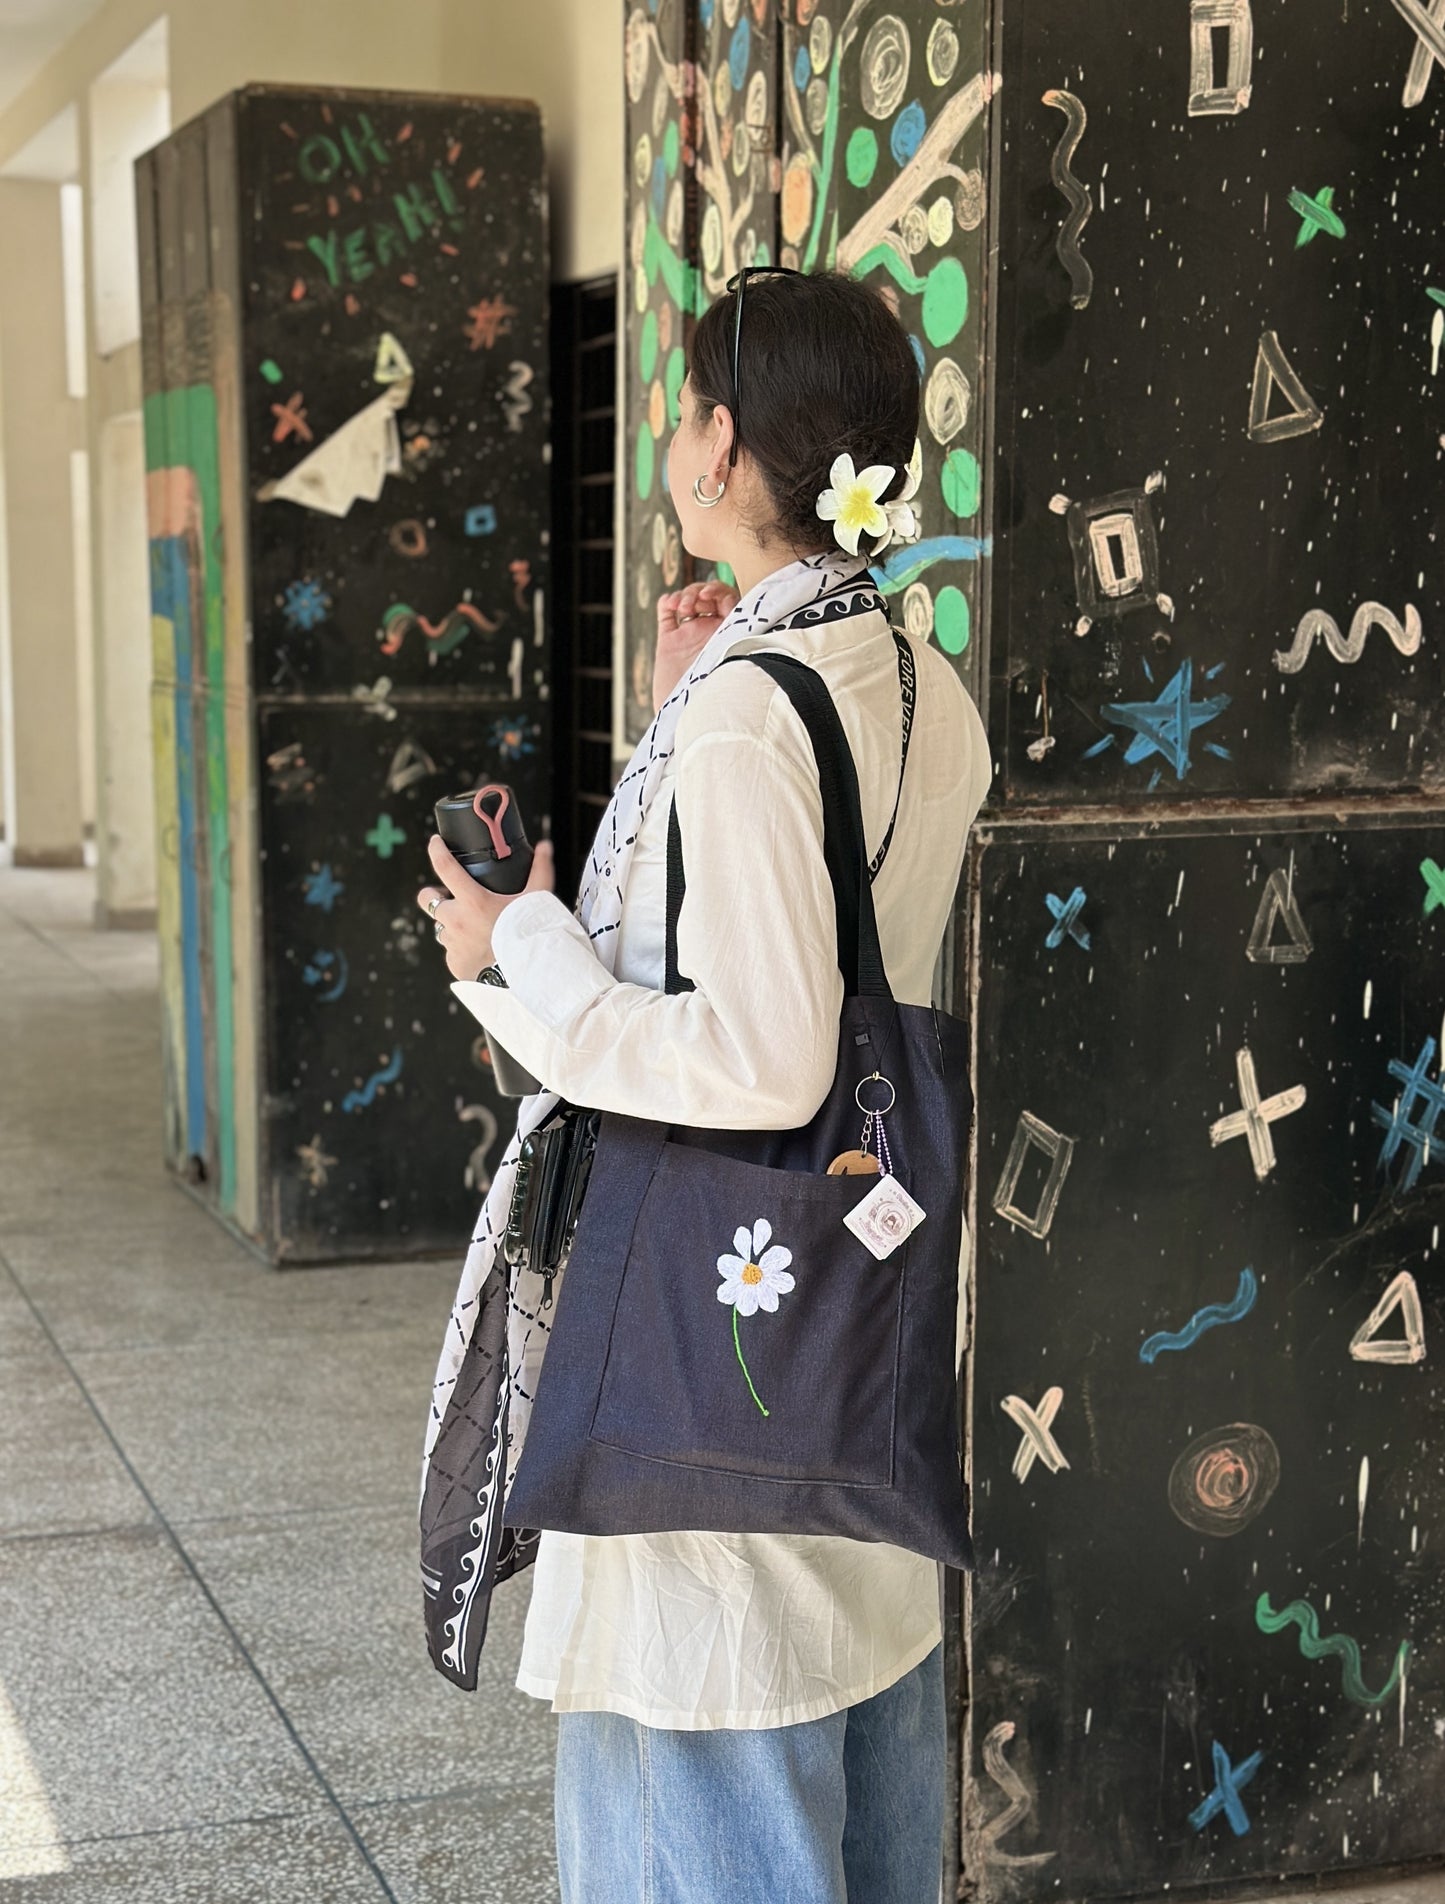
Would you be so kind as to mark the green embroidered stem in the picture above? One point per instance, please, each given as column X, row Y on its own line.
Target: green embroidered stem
column 742, row 1364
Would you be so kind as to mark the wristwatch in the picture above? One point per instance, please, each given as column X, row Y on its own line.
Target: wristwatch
column 491, row 975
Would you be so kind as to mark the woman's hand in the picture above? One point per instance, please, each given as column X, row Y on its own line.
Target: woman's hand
column 468, row 911
column 686, row 621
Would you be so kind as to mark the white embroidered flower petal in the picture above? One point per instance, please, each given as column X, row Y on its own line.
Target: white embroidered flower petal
column 762, row 1236
column 728, row 1291
column 731, row 1265
column 743, row 1241
column 774, row 1259
column 783, row 1282
column 746, row 1300
column 767, row 1298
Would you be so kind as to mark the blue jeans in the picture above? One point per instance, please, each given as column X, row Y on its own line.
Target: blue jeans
column 842, row 1810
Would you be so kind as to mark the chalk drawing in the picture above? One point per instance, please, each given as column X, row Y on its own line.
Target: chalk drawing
column 1317, row 215
column 1224, row 1479
column 1426, row 55
column 1412, row 1118
column 411, row 762
column 1036, row 1427
column 376, row 698
column 1228, row 1782
column 514, row 400
column 883, row 67
column 1253, row 1120
column 1434, row 878
column 1020, row 1802
column 1362, row 1496
column 1273, row 371
column 514, row 739
column 1165, row 725
column 385, row 836
column 1277, row 907
column 388, row 1074
column 354, row 462
column 391, row 363
column 291, row 420
column 1233, row 20
column 1317, row 625
column 1367, row 1345
column 1212, row 1316
column 1033, row 1134
column 442, row 636
column 329, row 969
column 947, row 397
column 1081, row 204
column 305, row 604
column 1301, row 1614
column 478, row 1177
column 288, row 771
column 1116, row 552
column 322, row 888
column 480, row 520
column 315, row 1163
column 1066, row 919
column 487, row 320
column 408, row 537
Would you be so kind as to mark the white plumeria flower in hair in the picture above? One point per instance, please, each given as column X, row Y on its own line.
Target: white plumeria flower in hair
column 903, row 523
column 756, row 1276
column 851, row 504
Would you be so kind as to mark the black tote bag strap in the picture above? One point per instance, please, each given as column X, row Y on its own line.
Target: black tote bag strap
column 906, row 694
column 860, row 957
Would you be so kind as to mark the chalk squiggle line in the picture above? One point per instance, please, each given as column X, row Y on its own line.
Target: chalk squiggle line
column 915, row 558
column 1317, row 625
column 389, row 1073
column 1207, row 1318
column 1301, row 1614
column 888, row 258
column 1081, row 274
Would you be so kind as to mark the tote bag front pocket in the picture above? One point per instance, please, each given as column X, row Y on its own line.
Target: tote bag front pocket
column 765, row 1344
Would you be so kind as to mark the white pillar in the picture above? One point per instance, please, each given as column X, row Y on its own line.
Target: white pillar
column 39, row 426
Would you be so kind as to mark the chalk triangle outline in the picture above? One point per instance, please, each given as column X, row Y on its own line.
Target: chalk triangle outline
column 1274, row 371
column 1277, row 907
column 392, row 363
column 411, row 762
column 1367, row 1344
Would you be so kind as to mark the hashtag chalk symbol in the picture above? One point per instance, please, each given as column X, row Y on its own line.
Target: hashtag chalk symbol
column 1412, row 1119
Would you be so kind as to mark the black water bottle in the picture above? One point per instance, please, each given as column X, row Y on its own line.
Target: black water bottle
column 485, row 832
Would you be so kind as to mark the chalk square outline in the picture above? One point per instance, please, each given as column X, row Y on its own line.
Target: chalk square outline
column 1234, row 95
column 1089, row 584
column 1033, row 1133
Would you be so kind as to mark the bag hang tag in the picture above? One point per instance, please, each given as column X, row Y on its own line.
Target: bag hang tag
column 886, row 1217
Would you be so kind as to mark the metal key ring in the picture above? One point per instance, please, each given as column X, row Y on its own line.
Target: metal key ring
column 877, row 1110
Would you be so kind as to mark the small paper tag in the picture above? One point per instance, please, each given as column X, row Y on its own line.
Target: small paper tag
column 884, row 1218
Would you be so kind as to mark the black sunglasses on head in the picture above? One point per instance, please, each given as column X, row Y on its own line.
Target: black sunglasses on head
column 738, row 283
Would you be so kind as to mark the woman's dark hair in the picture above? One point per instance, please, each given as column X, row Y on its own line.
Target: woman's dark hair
column 825, row 367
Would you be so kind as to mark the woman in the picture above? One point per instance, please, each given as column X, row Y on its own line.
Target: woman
column 742, row 1716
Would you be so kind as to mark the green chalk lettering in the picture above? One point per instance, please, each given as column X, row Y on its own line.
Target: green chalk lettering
column 353, row 250
column 326, row 249
column 362, row 138
column 388, row 241
column 416, row 211
column 319, row 159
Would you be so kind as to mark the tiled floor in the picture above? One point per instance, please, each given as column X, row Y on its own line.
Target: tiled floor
column 196, row 1703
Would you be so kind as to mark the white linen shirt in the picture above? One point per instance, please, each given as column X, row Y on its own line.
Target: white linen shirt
column 696, row 1631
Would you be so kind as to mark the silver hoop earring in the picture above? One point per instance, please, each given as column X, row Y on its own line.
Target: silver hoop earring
column 707, row 502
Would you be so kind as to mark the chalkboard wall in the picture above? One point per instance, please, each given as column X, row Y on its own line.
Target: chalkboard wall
column 345, row 358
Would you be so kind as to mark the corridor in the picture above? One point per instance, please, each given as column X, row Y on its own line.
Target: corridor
column 213, row 1680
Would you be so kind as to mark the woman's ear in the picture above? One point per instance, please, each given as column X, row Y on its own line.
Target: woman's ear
column 722, row 438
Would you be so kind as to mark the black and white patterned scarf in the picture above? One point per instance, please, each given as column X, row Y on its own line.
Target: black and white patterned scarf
column 497, row 1333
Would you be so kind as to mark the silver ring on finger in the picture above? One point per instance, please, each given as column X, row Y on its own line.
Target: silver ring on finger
column 438, row 928
column 432, row 904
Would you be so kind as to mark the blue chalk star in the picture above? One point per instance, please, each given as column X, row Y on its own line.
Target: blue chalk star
column 1166, row 725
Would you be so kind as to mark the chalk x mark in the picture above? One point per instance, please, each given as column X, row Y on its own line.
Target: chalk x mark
column 1020, row 1802
column 1228, row 1781
column 1081, row 203
column 1339, row 1645
column 1253, row 1120
column 1317, row 625
column 1212, row 1316
column 1067, row 922
column 1366, row 1344
column 388, row 1074
column 1036, row 1427
column 1430, row 31
column 1318, row 215
column 1434, row 878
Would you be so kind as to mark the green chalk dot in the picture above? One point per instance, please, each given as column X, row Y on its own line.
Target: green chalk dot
column 670, row 148
column 646, row 460
column 950, row 620
column 672, row 383
column 647, row 347
column 271, row 370
column 960, row 482
column 945, row 302
column 861, row 158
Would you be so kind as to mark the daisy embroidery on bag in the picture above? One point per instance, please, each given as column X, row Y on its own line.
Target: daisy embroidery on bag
column 753, row 1279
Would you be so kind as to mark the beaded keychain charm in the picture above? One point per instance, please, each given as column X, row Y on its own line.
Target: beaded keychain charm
column 887, row 1214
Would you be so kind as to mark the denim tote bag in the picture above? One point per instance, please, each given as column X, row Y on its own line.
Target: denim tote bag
column 726, row 1353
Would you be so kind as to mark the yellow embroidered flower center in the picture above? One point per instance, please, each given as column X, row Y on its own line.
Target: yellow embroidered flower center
column 751, row 1273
